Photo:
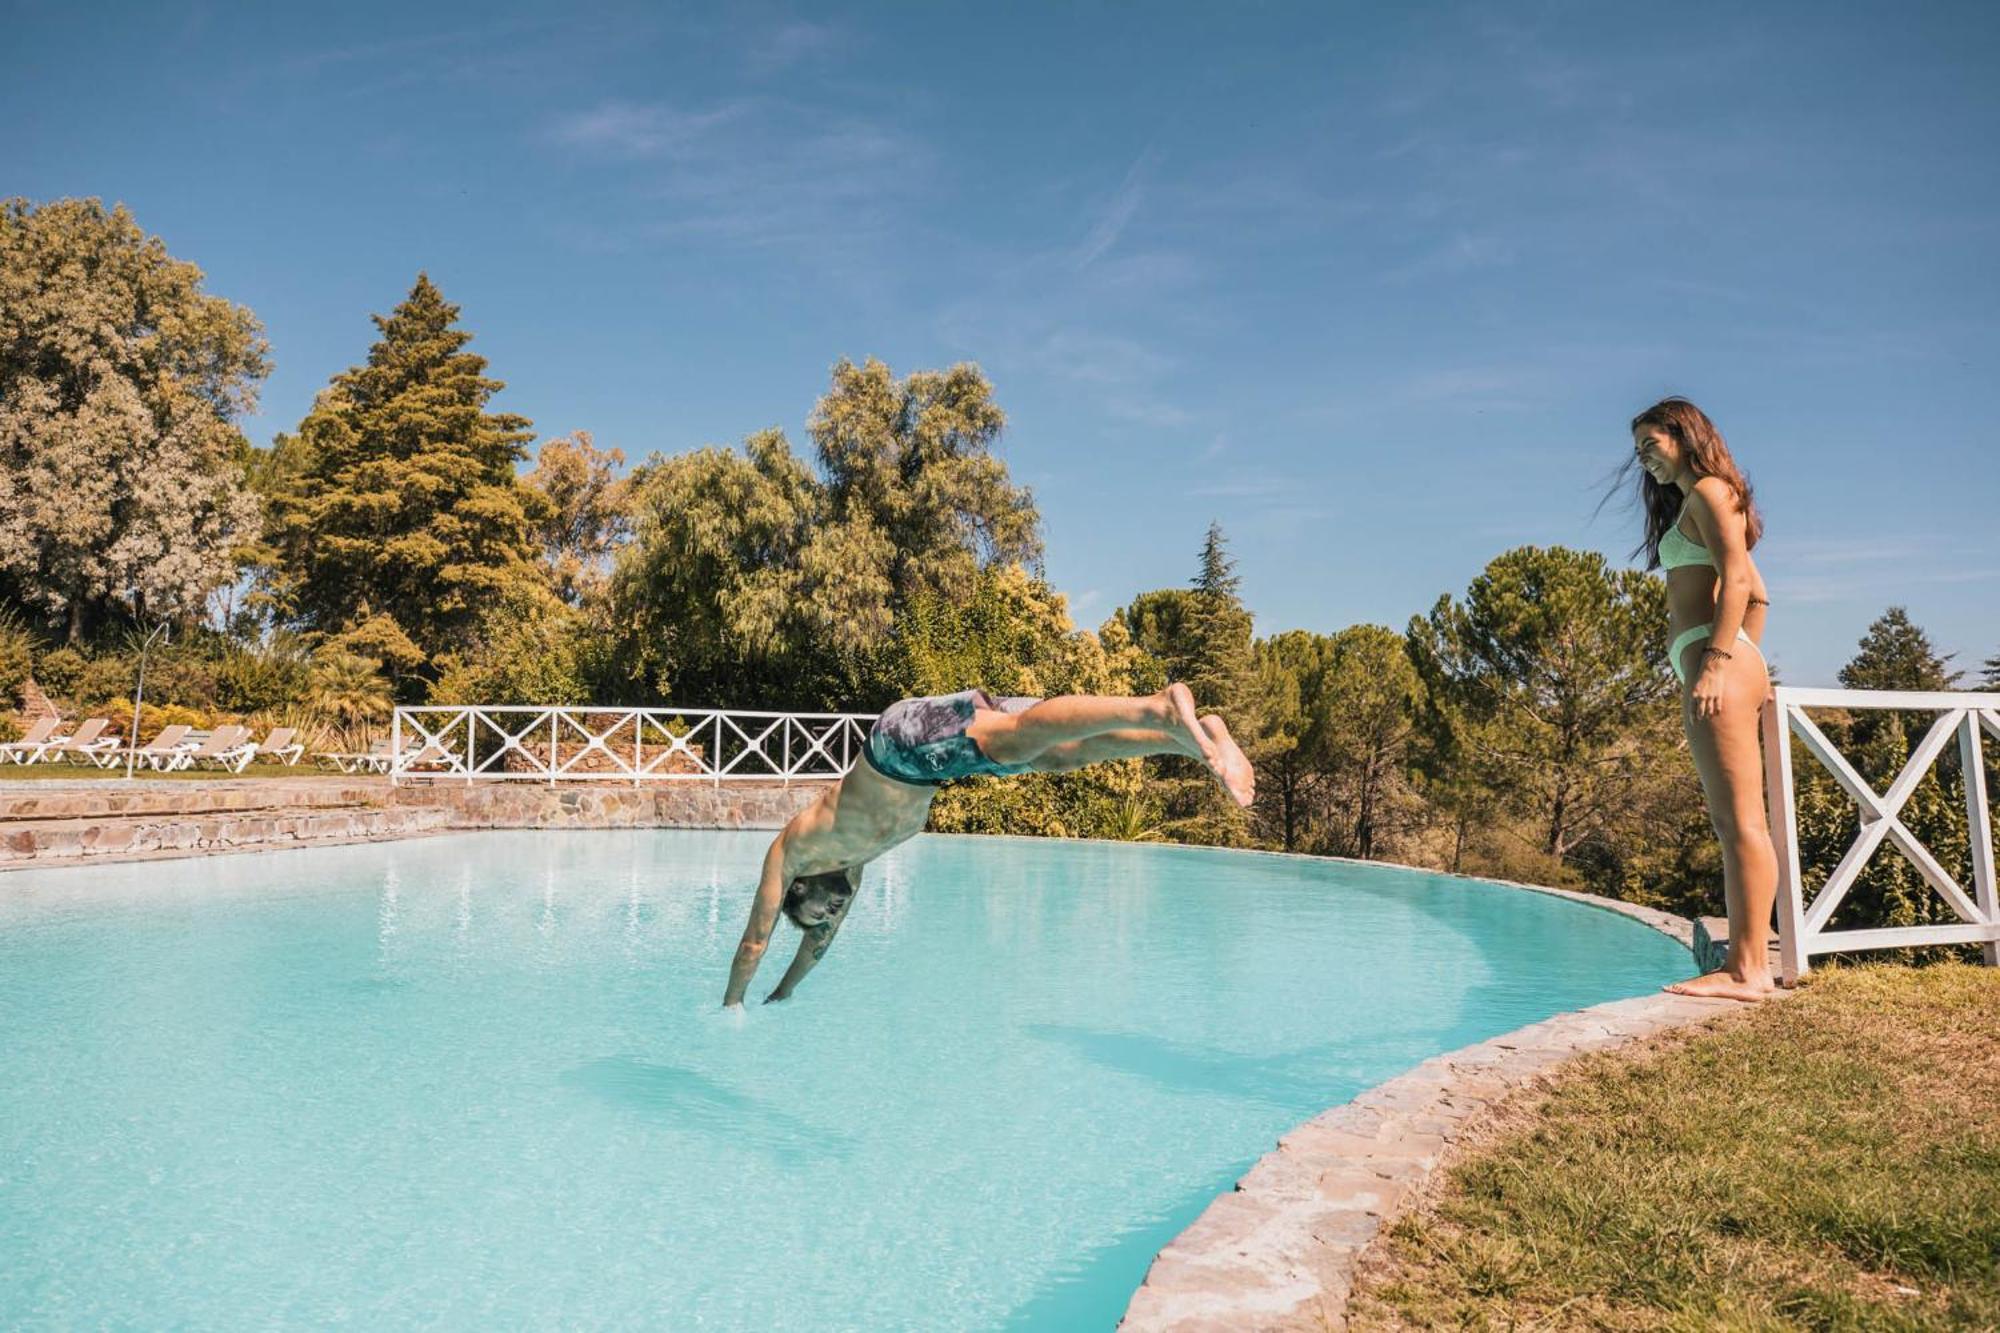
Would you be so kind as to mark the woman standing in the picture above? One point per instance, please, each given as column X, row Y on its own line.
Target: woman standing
column 1701, row 524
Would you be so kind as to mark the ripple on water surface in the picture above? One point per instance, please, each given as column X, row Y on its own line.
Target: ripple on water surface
column 483, row 1080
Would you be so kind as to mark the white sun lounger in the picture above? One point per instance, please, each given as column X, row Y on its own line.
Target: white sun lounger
column 29, row 748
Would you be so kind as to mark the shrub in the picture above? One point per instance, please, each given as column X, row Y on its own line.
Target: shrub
column 59, row 670
column 104, row 679
column 17, row 655
column 153, row 719
column 251, row 680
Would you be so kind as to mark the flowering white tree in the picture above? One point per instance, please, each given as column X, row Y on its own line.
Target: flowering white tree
column 120, row 380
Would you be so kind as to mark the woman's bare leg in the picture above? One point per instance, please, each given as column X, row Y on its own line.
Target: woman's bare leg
column 1728, row 757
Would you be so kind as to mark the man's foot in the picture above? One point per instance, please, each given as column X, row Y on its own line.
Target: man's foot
column 1233, row 767
column 1183, row 720
column 1723, row 985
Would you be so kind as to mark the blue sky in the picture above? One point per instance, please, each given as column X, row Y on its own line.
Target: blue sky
column 1377, row 287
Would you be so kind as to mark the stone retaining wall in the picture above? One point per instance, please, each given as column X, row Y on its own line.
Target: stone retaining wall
column 572, row 805
column 54, row 821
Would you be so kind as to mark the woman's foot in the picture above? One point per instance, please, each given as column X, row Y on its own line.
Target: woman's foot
column 1233, row 767
column 1723, row 984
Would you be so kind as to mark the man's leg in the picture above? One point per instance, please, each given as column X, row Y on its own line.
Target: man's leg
column 1133, row 743
column 1216, row 748
column 1017, row 738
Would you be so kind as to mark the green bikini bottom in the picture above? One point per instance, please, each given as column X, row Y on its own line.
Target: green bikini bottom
column 1700, row 632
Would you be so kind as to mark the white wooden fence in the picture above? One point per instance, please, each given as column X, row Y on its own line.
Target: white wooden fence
column 521, row 743
column 1802, row 926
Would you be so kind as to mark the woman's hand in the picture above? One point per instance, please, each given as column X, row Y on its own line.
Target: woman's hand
column 1708, row 688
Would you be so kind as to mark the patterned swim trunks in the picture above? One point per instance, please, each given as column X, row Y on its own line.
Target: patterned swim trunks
column 923, row 741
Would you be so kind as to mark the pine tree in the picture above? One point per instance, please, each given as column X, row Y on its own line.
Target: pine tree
column 1896, row 655
column 1222, row 670
column 406, row 517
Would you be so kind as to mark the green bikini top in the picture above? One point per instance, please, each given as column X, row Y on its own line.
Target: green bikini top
column 1677, row 550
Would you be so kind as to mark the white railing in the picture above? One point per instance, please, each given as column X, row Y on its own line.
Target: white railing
column 1802, row 926
column 521, row 743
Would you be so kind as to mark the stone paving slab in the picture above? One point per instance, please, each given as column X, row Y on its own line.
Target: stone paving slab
column 1281, row 1251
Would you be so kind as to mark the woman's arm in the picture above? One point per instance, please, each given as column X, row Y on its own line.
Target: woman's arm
column 1719, row 518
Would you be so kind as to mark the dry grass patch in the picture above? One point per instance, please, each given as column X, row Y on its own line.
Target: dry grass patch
column 1831, row 1161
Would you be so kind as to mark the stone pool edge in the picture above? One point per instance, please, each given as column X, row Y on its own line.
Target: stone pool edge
column 1283, row 1248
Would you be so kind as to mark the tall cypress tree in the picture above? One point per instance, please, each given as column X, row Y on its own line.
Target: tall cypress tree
column 406, row 519
column 1222, row 669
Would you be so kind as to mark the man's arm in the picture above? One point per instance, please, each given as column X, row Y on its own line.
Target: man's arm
column 811, row 949
column 763, row 920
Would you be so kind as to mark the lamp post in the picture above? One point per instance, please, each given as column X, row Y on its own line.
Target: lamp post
column 160, row 631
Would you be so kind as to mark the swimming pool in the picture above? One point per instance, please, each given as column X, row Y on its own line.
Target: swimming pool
column 482, row 1080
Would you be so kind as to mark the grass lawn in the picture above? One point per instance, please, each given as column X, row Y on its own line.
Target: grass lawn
column 40, row 772
column 1828, row 1161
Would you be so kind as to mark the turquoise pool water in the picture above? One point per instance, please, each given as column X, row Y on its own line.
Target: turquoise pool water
column 482, row 1081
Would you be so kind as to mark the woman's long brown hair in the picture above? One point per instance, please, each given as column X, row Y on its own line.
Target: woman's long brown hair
column 1702, row 445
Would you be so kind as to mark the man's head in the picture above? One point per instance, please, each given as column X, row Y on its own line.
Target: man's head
column 814, row 900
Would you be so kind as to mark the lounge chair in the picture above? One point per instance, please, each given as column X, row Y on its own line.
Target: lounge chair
column 282, row 744
column 29, row 748
column 415, row 757
column 223, row 741
column 84, row 745
column 374, row 759
column 163, row 749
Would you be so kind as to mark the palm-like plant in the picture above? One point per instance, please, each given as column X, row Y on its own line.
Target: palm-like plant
column 349, row 691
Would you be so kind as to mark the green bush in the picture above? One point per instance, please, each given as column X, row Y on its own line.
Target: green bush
column 153, row 719
column 105, row 678
column 17, row 656
column 253, row 681
column 59, row 670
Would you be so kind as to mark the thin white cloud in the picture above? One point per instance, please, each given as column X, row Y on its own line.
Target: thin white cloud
column 1117, row 214
column 624, row 129
column 753, row 172
column 794, row 44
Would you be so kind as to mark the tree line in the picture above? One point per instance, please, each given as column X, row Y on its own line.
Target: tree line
column 402, row 543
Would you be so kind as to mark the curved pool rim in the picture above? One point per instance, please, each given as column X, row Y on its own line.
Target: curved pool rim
column 1253, row 1291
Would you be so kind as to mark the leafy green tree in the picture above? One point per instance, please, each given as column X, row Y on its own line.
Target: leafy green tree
column 404, row 503
column 1550, row 684
column 1367, row 705
column 735, row 584
column 120, row 385
column 586, row 513
column 912, row 460
column 756, row 574
column 1160, row 624
column 1291, row 751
